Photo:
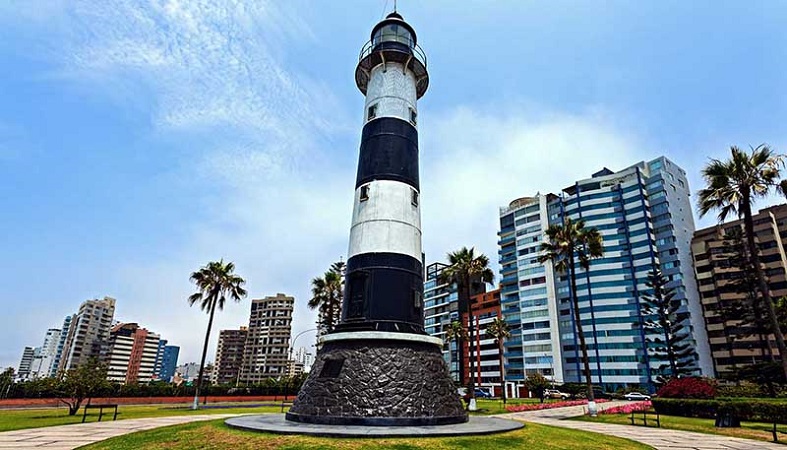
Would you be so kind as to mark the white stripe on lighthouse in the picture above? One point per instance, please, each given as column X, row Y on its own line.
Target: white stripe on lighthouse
column 388, row 222
column 392, row 90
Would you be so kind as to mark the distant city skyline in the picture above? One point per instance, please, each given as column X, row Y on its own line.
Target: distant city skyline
column 138, row 143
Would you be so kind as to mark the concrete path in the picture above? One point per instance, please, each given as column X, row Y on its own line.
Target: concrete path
column 658, row 438
column 68, row 437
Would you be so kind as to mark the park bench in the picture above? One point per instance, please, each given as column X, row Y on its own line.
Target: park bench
column 644, row 419
column 100, row 407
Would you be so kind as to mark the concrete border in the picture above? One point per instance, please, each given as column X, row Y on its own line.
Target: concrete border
column 276, row 423
column 381, row 335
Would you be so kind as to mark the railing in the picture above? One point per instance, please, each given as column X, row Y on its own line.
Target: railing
column 371, row 46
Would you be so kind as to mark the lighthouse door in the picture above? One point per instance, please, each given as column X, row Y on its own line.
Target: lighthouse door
column 356, row 305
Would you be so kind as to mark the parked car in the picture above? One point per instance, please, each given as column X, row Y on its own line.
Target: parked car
column 480, row 393
column 636, row 396
column 554, row 393
column 597, row 394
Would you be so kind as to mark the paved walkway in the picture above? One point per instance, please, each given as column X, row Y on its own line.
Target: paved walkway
column 658, row 438
column 68, row 437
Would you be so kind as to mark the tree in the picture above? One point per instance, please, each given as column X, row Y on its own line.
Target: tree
column 747, row 313
column 327, row 296
column 6, row 381
column 215, row 283
column 79, row 384
column 465, row 268
column 567, row 245
column 499, row 331
column 537, row 383
column 732, row 186
column 457, row 333
column 664, row 320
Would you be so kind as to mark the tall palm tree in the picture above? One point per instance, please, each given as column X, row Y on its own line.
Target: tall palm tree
column 327, row 294
column 215, row 283
column 499, row 330
column 466, row 268
column 567, row 245
column 731, row 188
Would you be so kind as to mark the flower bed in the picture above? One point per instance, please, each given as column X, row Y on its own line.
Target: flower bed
column 628, row 408
column 540, row 406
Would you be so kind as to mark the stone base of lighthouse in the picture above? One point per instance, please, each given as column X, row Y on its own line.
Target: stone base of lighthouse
column 377, row 378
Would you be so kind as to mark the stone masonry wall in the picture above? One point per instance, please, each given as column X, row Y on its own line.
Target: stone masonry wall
column 353, row 381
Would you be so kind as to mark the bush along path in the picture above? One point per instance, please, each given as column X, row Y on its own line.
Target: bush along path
column 658, row 438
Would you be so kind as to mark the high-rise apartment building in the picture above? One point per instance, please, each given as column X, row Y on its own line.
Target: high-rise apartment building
column 483, row 354
column 229, row 356
column 132, row 354
column 304, row 357
column 266, row 352
column 169, row 362
column 88, row 333
column 189, row 371
column 162, row 343
column 45, row 355
column 60, row 345
column 528, row 292
column 735, row 341
column 441, row 308
column 644, row 215
column 25, row 363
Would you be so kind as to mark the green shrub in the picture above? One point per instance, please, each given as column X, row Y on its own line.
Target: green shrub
column 744, row 409
column 747, row 390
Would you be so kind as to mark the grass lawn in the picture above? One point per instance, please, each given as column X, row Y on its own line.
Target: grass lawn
column 16, row 419
column 216, row 435
column 749, row 430
column 488, row 407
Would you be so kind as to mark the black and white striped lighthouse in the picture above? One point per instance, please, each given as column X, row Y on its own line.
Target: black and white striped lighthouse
column 379, row 367
column 384, row 284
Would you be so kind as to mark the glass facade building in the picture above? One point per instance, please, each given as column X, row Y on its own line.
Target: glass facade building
column 644, row 215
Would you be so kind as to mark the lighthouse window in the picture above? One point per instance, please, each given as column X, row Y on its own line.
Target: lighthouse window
column 413, row 117
column 372, row 112
column 364, row 193
column 414, row 197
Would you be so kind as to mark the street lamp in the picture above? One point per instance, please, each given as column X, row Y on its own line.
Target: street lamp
column 292, row 347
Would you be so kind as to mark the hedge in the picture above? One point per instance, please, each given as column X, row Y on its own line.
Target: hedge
column 748, row 409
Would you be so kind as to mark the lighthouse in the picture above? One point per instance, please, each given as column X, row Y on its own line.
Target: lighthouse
column 379, row 367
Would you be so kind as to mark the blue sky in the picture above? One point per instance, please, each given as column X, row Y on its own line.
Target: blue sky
column 139, row 140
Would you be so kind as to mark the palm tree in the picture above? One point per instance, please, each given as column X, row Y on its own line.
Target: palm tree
column 566, row 245
column 499, row 330
column 731, row 188
column 215, row 283
column 465, row 268
column 456, row 332
column 327, row 294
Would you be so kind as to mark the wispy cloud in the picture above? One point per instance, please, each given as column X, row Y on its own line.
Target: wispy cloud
column 476, row 161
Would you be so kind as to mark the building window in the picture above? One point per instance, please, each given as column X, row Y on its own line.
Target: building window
column 413, row 117
column 371, row 112
column 364, row 192
column 414, row 197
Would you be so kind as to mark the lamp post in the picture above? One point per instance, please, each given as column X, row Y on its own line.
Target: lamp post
column 290, row 365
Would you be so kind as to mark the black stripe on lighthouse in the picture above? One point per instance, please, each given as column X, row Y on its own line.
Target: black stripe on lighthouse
column 384, row 292
column 389, row 151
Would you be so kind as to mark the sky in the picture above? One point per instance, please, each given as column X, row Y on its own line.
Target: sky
column 141, row 139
